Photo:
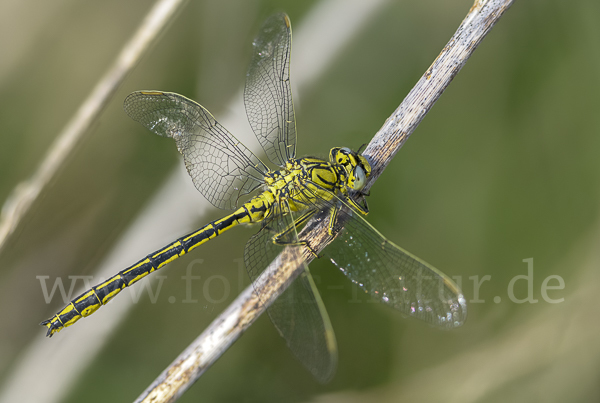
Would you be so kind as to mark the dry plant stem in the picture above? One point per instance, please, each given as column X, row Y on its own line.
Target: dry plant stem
column 399, row 126
column 242, row 312
column 26, row 192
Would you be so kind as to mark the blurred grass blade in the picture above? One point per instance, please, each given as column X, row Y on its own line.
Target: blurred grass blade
column 25, row 193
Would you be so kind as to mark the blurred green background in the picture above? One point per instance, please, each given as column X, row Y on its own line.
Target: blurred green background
column 504, row 168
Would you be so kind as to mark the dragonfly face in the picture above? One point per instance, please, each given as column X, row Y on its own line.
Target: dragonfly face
column 356, row 166
column 225, row 172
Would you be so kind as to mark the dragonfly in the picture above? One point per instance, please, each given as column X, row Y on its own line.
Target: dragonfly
column 285, row 200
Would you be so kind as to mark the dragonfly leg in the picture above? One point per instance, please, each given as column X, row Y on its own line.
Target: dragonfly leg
column 283, row 237
column 362, row 208
column 297, row 243
column 280, row 239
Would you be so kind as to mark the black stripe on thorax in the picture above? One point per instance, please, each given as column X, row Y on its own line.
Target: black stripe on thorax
column 332, row 184
column 315, row 164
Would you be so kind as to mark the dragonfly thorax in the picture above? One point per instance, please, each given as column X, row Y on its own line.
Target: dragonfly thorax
column 302, row 181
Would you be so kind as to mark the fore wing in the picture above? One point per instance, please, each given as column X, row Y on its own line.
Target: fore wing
column 389, row 273
column 268, row 94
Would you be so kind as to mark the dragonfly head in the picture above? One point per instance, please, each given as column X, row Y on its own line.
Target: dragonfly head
column 356, row 166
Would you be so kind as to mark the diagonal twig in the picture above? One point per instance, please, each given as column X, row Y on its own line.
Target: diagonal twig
column 242, row 312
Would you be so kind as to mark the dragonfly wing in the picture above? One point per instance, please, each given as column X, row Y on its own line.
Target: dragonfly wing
column 268, row 94
column 221, row 167
column 387, row 272
column 299, row 314
column 392, row 275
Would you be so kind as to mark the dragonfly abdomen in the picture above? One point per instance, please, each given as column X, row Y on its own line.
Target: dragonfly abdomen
column 89, row 301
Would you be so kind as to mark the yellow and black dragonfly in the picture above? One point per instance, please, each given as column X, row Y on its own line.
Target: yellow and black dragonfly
column 225, row 171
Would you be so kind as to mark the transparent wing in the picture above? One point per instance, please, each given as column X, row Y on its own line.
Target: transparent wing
column 299, row 313
column 221, row 167
column 389, row 273
column 268, row 94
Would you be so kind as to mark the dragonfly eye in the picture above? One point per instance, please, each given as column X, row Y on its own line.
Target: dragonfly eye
column 358, row 178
